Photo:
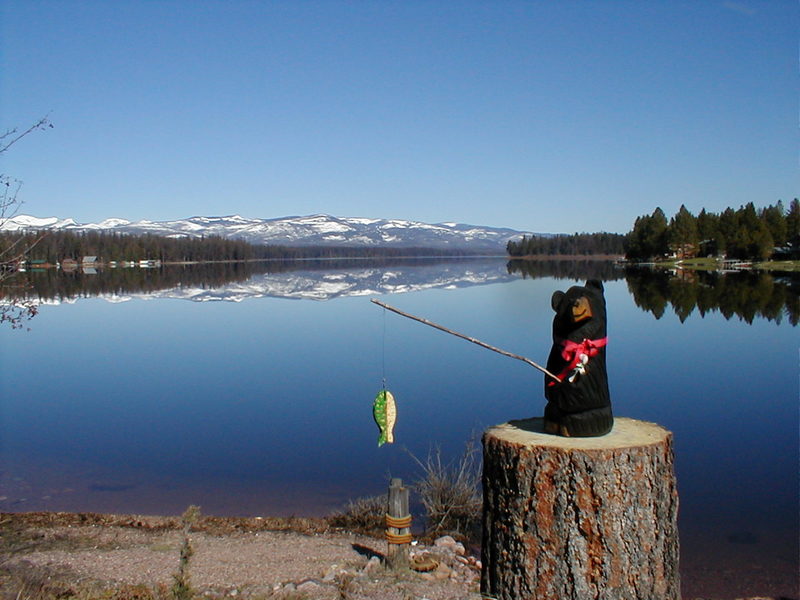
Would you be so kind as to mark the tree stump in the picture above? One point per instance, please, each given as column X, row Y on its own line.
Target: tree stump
column 579, row 518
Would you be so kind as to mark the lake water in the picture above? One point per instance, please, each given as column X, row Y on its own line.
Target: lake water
column 251, row 393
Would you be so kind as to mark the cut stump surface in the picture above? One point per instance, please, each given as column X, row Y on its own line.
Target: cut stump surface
column 579, row 518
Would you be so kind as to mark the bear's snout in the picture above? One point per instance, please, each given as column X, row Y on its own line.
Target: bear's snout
column 581, row 309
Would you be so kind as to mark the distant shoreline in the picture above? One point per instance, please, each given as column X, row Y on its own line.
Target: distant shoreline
column 604, row 257
column 712, row 264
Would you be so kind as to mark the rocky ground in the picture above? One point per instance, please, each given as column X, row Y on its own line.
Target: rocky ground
column 136, row 558
column 60, row 556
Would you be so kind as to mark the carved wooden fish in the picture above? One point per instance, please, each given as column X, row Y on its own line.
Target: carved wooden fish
column 385, row 412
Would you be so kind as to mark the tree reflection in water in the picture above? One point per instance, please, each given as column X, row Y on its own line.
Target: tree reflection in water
column 744, row 294
column 567, row 268
column 747, row 295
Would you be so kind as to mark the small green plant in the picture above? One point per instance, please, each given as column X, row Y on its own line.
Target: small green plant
column 451, row 492
column 181, row 586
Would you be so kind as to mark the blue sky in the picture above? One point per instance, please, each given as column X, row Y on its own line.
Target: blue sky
column 542, row 116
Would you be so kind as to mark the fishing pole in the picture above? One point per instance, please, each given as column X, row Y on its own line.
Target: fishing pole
column 465, row 337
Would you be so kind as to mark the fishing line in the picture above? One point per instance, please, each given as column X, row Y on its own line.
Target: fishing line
column 383, row 353
column 384, row 409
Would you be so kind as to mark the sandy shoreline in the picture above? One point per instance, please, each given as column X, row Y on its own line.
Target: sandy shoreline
column 131, row 555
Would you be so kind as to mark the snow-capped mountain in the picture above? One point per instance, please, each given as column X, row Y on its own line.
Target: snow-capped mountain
column 310, row 230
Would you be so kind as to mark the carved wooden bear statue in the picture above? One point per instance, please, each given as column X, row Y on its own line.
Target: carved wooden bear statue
column 578, row 406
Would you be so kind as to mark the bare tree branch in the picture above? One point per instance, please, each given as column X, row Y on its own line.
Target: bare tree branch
column 15, row 137
column 14, row 310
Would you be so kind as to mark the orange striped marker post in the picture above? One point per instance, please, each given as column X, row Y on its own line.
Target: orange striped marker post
column 398, row 526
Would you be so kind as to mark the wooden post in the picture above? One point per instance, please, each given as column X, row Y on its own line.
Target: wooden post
column 398, row 526
column 579, row 518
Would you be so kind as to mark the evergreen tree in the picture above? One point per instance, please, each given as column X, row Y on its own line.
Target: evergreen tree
column 682, row 233
column 728, row 227
column 793, row 223
column 649, row 236
column 708, row 233
column 751, row 238
column 657, row 233
column 775, row 220
column 634, row 241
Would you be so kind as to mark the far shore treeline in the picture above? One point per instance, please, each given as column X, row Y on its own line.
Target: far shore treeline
column 52, row 247
column 577, row 244
column 744, row 234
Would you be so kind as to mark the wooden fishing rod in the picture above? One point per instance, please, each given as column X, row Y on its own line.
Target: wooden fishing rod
column 466, row 337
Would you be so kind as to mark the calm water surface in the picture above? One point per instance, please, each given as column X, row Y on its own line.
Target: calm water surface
column 263, row 406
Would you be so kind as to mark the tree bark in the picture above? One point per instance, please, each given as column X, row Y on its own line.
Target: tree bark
column 579, row 518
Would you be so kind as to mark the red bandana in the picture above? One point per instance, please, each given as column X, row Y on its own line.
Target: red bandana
column 572, row 351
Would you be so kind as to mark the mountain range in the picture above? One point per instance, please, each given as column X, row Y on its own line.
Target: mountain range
column 312, row 230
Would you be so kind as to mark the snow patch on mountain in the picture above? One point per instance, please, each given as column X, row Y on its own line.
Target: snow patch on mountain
column 298, row 230
column 21, row 222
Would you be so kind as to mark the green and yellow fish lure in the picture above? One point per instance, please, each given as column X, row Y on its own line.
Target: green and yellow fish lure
column 385, row 412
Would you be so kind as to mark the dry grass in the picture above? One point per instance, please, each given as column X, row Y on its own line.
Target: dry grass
column 451, row 493
column 22, row 580
column 181, row 587
column 363, row 515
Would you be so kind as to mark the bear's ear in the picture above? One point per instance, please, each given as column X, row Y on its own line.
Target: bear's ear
column 595, row 283
column 555, row 301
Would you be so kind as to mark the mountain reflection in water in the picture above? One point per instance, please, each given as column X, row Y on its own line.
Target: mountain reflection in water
column 743, row 294
column 236, row 281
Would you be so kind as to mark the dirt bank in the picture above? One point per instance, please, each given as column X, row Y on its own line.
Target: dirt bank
column 58, row 555
column 55, row 556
